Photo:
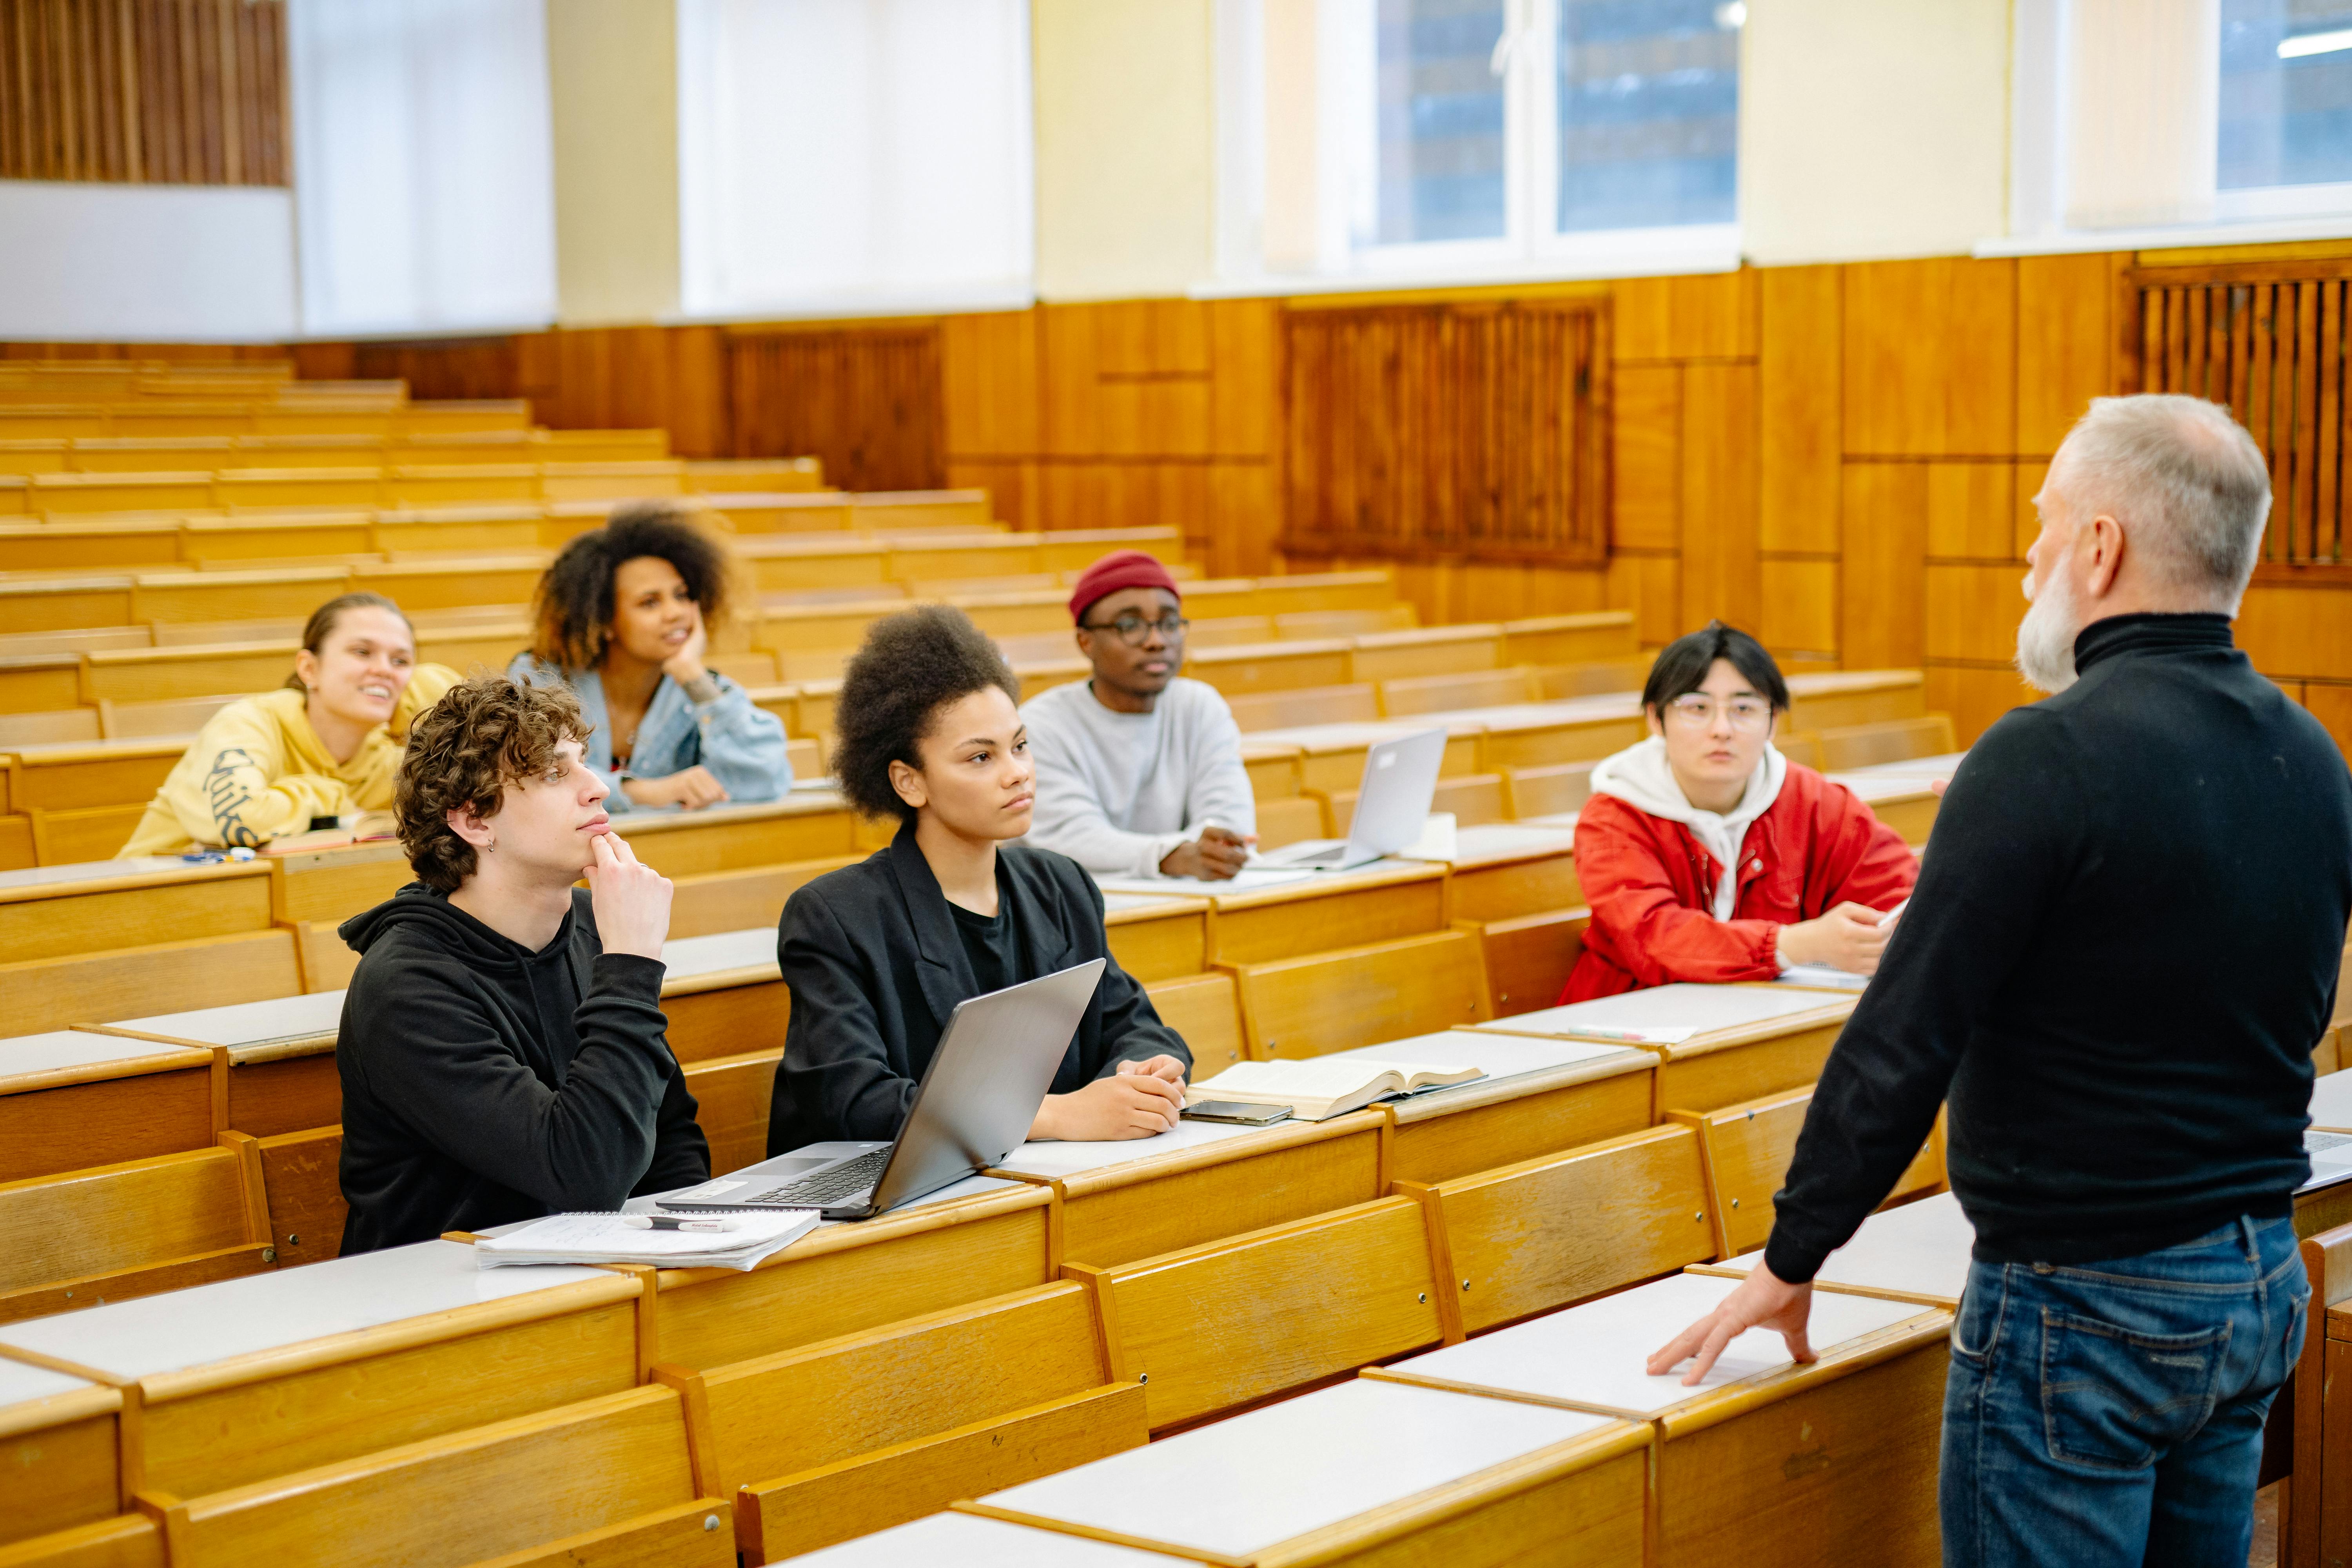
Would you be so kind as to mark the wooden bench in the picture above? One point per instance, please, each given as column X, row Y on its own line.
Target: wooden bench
column 1746, row 1041
column 94, row 987
column 2318, row 1523
column 70, row 1099
column 1912, row 1252
column 1425, row 651
column 1889, row 740
column 1549, row 789
column 1205, row 1009
column 1407, row 695
column 852, row 1435
column 78, row 1240
column 1157, row 938
column 280, row 1056
column 1364, row 1472
column 1834, row 699
column 1258, row 924
column 1331, row 1000
column 54, row 913
column 1748, row 1148
column 60, row 1445
column 1331, row 755
column 1529, row 958
column 1847, row 1443
column 348, row 1358
column 731, row 1099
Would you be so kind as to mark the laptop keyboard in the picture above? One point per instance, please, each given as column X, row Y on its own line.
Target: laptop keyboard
column 827, row 1186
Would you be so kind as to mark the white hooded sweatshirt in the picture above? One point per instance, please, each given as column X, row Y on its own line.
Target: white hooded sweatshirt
column 1641, row 777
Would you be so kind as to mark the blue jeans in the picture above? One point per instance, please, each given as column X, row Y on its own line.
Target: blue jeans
column 2111, row 1414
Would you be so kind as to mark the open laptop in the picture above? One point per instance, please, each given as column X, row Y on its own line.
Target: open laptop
column 972, row 1110
column 1392, row 808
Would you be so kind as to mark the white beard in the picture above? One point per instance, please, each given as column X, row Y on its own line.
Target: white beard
column 2045, row 637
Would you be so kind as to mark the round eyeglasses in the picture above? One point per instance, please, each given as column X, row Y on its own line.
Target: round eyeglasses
column 1694, row 712
column 1133, row 629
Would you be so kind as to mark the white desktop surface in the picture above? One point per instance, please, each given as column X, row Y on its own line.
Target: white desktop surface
column 1058, row 1158
column 1497, row 1056
column 1942, row 765
column 969, row 1540
column 96, row 870
column 249, row 1023
column 1488, row 841
column 1594, row 1353
column 1922, row 1248
column 1875, row 789
column 1253, row 1480
column 1142, row 890
column 2331, row 1100
column 1700, row 1008
column 206, row 1323
column 720, row 951
column 72, row 1048
column 21, row 1384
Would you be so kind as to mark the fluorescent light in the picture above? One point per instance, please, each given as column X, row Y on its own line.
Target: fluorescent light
column 2315, row 44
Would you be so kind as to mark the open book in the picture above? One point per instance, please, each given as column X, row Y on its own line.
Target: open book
column 609, row 1239
column 1321, row 1087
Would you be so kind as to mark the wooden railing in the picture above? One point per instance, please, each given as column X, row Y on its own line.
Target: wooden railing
column 870, row 403
column 151, row 91
column 1477, row 430
column 2267, row 340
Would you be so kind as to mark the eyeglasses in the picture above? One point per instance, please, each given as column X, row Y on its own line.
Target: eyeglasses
column 1133, row 629
column 1695, row 711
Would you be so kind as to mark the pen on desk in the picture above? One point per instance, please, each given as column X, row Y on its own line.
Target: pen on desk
column 1630, row 1036
column 670, row 1222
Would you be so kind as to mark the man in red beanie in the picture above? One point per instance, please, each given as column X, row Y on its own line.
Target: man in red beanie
column 1138, row 770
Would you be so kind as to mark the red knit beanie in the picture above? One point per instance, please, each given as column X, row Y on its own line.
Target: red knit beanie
column 1119, row 569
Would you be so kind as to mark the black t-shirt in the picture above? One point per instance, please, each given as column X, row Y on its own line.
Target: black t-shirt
column 989, row 945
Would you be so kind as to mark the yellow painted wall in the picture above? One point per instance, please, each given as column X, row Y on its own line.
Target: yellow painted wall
column 613, row 81
column 1124, row 95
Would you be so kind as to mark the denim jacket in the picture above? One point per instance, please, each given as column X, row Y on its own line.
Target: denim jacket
column 742, row 745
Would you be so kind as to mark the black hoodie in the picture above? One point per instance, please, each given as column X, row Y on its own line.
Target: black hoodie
column 484, row 1082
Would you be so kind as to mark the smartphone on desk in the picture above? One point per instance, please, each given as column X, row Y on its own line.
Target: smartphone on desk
column 1238, row 1112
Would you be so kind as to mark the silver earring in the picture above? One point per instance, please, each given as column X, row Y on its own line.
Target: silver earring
column 493, row 843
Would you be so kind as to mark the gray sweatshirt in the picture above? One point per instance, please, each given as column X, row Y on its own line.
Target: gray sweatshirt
column 1116, row 792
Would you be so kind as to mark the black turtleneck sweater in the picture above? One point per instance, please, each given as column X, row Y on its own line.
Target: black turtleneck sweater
column 484, row 1082
column 2121, row 953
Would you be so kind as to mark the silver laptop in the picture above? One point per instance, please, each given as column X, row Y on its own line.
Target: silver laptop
column 972, row 1110
column 1392, row 808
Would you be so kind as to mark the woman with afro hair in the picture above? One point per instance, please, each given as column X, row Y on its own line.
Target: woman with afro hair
column 877, row 954
column 624, row 618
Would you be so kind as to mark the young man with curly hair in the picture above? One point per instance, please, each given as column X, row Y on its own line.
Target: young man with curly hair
column 877, row 954
column 503, row 1051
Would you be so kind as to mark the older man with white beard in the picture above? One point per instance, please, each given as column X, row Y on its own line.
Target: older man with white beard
column 2122, row 949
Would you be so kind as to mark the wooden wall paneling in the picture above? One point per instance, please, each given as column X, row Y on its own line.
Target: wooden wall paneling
column 1152, row 377
column 1702, row 315
column 1244, row 386
column 864, row 399
column 1800, row 365
column 1799, row 614
column 1930, row 358
column 1973, row 611
column 1648, row 467
column 988, row 367
column 1884, row 511
column 483, row 367
column 1068, row 368
column 1649, row 584
column 2065, row 345
column 2332, row 706
column 2025, row 519
column 1974, row 696
column 2292, row 632
column 1245, row 518
column 1719, row 538
column 1971, row 511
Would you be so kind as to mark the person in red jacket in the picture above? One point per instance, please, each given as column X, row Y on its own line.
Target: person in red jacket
column 1707, row 856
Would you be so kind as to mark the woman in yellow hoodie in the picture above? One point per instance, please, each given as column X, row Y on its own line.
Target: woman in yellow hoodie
column 325, row 744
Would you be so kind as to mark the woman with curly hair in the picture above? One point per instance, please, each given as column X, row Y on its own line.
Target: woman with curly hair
column 877, row 954
column 624, row 618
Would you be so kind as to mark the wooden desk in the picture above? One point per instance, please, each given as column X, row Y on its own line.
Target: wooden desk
column 1433, row 1476
column 1331, row 756
column 723, row 995
column 974, row 1240
column 275, row 1372
column 1749, row 1040
column 280, row 1054
column 1834, row 699
column 1539, row 1096
column 970, row 1540
column 58, row 1449
column 54, row 912
column 1533, row 735
column 1345, row 909
column 1917, row 1253
column 1505, row 870
column 1847, row 1445
column 70, row 1099
column 808, row 825
column 1157, row 938
column 1118, row 1201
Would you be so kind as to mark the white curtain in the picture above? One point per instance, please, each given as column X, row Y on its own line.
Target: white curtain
column 852, row 154
column 424, row 165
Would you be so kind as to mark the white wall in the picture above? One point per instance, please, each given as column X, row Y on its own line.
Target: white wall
column 146, row 263
column 1872, row 129
column 613, row 85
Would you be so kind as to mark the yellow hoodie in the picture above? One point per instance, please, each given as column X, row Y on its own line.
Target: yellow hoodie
column 259, row 772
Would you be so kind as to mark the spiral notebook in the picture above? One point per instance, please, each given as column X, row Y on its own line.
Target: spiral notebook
column 605, row 1239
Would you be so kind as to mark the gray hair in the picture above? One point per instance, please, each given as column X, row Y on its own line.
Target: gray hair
column 2187, row 482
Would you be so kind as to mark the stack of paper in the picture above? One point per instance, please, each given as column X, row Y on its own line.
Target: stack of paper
column 1822, row 977
column 608, row 1238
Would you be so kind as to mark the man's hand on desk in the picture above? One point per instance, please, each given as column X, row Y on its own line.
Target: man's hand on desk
column 1141, row 1100
column 1217, row 854
column 1850, row 937
column 1761, row 1301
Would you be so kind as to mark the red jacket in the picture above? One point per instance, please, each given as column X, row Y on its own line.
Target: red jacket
column 1652, row 887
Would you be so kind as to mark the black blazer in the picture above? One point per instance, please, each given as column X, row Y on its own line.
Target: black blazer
column 871, row 956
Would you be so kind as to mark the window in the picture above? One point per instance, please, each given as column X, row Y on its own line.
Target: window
column 852, row 155
column 424, row 165
column 1465, row 137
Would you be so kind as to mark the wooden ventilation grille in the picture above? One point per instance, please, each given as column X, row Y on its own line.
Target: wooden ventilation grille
column 870, row 404
column 1448, row 430
column 2267, row 340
